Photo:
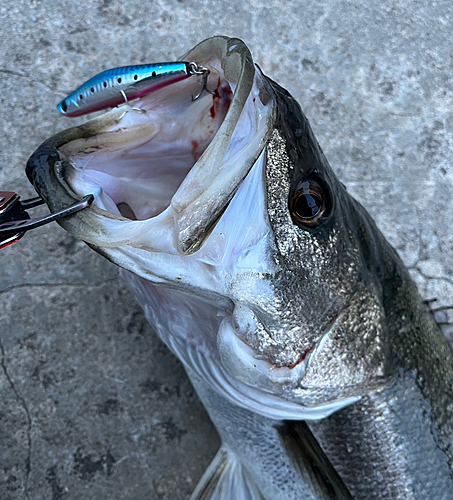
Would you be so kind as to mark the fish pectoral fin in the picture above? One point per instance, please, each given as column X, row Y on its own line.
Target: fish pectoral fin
column 306, row 453
column 226, row 478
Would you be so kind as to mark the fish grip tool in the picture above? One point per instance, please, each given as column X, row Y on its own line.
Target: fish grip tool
column 15, row 221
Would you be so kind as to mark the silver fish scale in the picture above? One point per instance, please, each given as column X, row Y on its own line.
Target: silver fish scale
column 375, row 458
column 257, row 444
column 354, row 355
column 320, row 280
column 323, row 296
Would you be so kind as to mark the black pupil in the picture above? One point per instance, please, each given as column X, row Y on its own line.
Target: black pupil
column 64, row 106
column 308, row 205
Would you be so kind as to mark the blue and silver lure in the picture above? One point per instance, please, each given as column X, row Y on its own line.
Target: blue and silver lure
column 119, row 85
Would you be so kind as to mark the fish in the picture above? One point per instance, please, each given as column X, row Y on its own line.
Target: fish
column 120, row 85
column 296, row 321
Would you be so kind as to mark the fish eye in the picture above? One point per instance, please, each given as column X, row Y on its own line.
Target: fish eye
column 64, row 106
column 310, row 204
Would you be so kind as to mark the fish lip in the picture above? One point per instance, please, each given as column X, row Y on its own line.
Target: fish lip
column 48, row 180
column 50, row 172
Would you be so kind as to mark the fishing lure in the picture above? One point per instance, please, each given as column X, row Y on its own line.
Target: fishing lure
column 119, row 85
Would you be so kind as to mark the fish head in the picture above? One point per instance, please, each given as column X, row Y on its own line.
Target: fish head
column 248, row 255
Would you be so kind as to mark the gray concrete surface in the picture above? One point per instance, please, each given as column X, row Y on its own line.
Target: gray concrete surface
column 92, row 405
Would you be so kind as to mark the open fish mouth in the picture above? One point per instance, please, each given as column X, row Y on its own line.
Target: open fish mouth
column 180, row 201
column 181, row 160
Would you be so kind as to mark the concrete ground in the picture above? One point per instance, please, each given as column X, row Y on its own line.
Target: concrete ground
column 92, row 405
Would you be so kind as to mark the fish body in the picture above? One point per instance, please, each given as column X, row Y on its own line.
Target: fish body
column 105, row 89
column 301, row 330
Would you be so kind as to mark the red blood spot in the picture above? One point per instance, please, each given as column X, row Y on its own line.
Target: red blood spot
column 302, row 357
column 254, row 99
column 228, row 91
column 195, row 146
column 212, row 111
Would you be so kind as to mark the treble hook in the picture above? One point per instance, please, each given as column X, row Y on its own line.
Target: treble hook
column 139, row 110
column 194, row 69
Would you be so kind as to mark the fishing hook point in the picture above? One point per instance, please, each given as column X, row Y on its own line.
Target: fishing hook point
column 138, row 110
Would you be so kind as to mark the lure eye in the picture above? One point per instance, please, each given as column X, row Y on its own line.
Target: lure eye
column 310, row 204
column 64, row 106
